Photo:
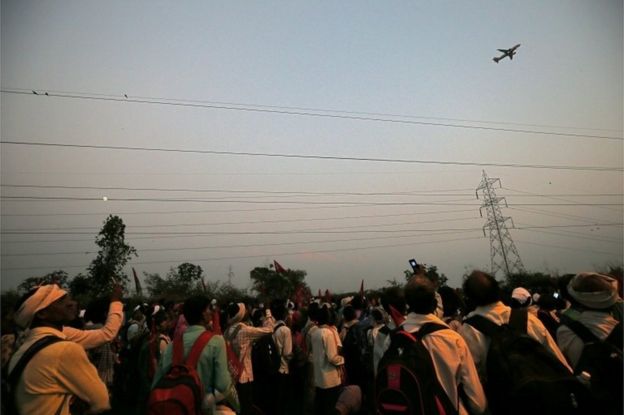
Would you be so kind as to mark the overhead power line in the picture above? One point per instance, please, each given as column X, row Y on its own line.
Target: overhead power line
column 308, row 231
column 283, row 192
column 45, row 94
column 376, row 238
column 257, row 256
column 313, row 156
column 286, row 202
column 324, row 110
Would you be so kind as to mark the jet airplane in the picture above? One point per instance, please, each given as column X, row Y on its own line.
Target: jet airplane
column 507, row 52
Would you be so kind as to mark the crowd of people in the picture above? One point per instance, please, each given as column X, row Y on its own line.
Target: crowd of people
column 417, row 348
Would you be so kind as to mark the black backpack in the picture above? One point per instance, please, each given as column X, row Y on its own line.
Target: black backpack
column 602, row 359
column 9, row 381
column 523, row 377
column 265, row 358
column 406, row 381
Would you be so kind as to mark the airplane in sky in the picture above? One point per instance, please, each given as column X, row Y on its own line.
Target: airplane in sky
column 507, row 52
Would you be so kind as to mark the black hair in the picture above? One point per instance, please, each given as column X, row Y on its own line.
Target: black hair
column 481, row 289
column 194, row 307
column 313, row 310
column 97, row 310
column 278, row 309
column 452, row 301
column 348, row 313
column 395, row 297
column 377, row 315
column 256, row 317
column 420, row 295
column 326, row 315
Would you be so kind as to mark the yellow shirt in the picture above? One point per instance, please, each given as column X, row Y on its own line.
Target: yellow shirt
column 54, row 375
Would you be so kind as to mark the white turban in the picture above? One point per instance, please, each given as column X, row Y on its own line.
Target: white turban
column 41, row 299
column 593, row 290
column 521, row 294
column 238, row 317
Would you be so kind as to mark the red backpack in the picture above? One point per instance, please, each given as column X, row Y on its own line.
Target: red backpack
column 180, row 391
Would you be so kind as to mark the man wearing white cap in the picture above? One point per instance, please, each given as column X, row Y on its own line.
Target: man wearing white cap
column 59, row 371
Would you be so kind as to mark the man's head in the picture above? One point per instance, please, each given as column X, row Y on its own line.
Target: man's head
column 197, row 310
column 481, row 289
column 278, row 309
column 348, row 313
column 420, row 295
column 46, row 305
column 593, row 291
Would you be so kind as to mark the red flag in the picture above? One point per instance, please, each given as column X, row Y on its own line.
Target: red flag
column 319, row 294
column 362, row 289
column 397, row 317
column 278, row 267
column 137, row 283
column 203, row 285
column 216, row 321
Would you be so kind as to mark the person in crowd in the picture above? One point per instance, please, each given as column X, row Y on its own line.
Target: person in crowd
column 308, row 330
column 282, row 338
column 327, row 363
column 212, row 365
column 483, row 292
column 349, row 319
column 137, row 326
column 61, row 371
column 453, row 307
column 595, row 296
column 103, row 357
column 451, row 357
column 241, row 336
column 378, row 329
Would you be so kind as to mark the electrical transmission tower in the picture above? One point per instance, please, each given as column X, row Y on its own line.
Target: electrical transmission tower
column 503, row 253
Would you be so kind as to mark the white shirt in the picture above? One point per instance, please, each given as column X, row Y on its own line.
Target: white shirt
column 452, row 361
column 283, row 341
column 325, row 357
column 242, row 345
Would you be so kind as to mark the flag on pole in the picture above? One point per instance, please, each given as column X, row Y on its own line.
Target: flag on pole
column 203, row 285
column 362, row 289
column 397, row 317
column 137, row 283
column 278, row 267
column 319, row 294
column 327, row 296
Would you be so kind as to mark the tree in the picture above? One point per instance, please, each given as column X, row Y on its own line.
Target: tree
column 271, row 284
column 432, row 273
column 81, row 290
column 55, row 277
column 180, row 282
column 113, row 255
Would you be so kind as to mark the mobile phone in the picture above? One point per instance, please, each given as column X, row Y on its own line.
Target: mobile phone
column 414, row 264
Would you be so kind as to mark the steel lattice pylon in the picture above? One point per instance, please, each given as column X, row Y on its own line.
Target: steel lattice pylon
column 503, row 253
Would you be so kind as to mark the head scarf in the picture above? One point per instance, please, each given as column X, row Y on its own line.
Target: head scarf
column 41, row 299
column 521, row 294
column 603, row 294
column 238, row 317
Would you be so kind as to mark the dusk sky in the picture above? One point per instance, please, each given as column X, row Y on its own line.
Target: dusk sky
column 221, row 113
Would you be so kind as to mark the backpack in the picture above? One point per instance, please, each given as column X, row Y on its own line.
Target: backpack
column 406, row 381
column 523, row 377
column 180, row 391
column 602, row 359
column 9, row 381
column 358, row 354
column 265, row 358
